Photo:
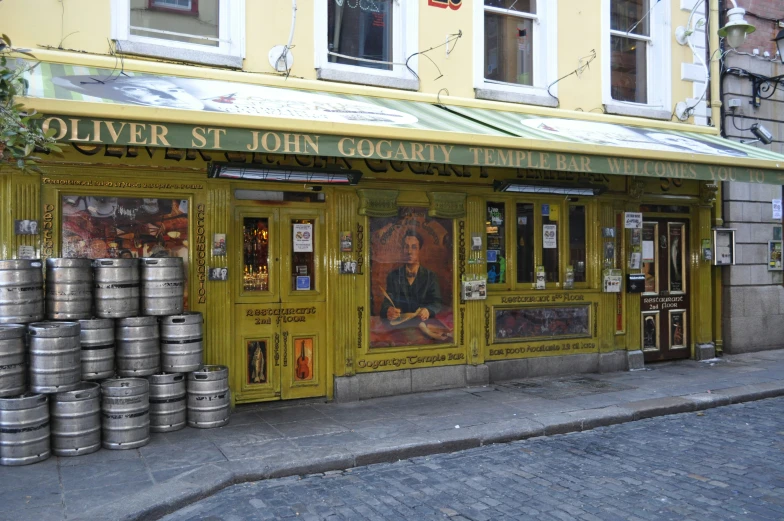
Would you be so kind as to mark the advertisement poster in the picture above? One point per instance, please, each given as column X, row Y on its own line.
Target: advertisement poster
column 303, row 237
column 549, row 237
column 411, row 274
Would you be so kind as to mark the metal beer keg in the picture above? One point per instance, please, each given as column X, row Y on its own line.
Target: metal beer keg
column 138, row 346
column 69, row 289
column 182, row 342
column 21, row 291
column 125, row 406
column 13, row 369
column 24, row 429
column 209, row 400
column 55, row 356
column 167, row 402
column 116, row 287
column 163, row 286
column 97, row 338
column 76, row 420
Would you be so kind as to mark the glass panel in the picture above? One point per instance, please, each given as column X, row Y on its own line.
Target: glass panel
column 624, row 14
column 676, row 257
column 509, row 49
column 650, row 249
column 495, row 227
column 525, row 242
column 550, row 248
column 523, row 6
column 256, row 254
column 577, row 241
column 192, row 21
column 628, row 61
column 551, row 322
column 360, row 29
column 302, row 255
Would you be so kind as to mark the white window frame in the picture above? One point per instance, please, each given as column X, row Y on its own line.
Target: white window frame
column 405, row 38
column 659, row 73
column 231, row 37
column 545, row 56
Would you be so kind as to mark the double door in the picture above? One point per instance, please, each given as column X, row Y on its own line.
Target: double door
column 280, row 303
column 665, row 301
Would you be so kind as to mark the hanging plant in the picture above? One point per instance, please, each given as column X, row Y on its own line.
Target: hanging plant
column 20, row 134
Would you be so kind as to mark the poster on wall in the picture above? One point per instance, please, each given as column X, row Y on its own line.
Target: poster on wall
column 411, row 274
column 303, row 237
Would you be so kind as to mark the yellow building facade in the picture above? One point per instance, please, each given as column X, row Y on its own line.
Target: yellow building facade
column 375, row 197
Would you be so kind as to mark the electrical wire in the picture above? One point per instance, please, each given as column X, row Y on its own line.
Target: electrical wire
column 578, row 71
column 689, row 31
column 633, row 27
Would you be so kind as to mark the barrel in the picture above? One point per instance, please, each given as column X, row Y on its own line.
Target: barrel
column 13, row 368
column 55, row 356
column 76, row 420
column 24, row 429
column 21, row 291
column 69, row 289
column 125, row 406
column 97, row 336
column 182, row 342
column 163, row 286
column 116, row 287
column 138, row 346
column 209, row 401
column 167, row 402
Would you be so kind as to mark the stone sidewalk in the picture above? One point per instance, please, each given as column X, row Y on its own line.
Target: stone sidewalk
column 276, row 440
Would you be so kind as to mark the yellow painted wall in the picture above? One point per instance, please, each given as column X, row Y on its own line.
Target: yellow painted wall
column 85, row 26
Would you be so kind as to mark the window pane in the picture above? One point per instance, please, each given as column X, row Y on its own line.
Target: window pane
column 577, row 241
column 650, row 249
column 525, row 242
column 629, row 69
column 360, row 29
column 302, row 261
column 256, row 254
column 523, row 6
column 624, row 14
column 194, row 22
column 509, row 49
column 495, row 229
column 550, row 253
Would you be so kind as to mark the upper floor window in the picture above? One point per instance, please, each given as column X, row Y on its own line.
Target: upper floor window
column 366, row 41
column 638, row 46
column 515, row 47
column 202, row 31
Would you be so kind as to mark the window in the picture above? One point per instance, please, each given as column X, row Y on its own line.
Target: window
column 366, row 41
column 201, row 31
column 515, row 48
column 637, row 73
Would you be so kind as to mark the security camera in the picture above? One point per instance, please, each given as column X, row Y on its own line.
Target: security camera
column 762, row 133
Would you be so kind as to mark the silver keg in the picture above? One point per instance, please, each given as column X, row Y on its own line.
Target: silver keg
column 138, row 346
column 182, row 342
column 97, row 338
column 21, row 291
column 55, row 356
column 116, row 287
column 69, row 289
column 125, row 405
column 76, row 420
column 163, row 286
column 209, row 400
column 24, row 429
column 167, row 402
column 13, row 369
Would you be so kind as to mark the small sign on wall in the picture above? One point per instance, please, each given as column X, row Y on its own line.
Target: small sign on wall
column 776, row 208
column 632, row 220
column 218, row 274
column 25, row 227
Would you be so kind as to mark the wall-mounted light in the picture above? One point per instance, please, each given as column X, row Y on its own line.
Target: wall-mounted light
column 528, row 188
column 779, row 39
column 283, row 174
column 737, row 28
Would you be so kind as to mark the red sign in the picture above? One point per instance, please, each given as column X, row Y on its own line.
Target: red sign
column 443, row 4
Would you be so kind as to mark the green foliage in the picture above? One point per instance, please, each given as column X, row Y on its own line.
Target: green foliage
column 20, row 131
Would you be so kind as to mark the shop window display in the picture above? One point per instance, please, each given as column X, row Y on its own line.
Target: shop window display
column 495, row 228
column 256, row 254
column 548, row 322
column 411, row 273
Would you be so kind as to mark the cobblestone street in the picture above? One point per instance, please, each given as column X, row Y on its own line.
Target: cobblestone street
column 723, row 463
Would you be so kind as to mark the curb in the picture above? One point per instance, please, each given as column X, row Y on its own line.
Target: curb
column 212, row 478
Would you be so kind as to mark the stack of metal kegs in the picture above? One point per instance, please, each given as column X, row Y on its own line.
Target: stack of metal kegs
column 116, row 357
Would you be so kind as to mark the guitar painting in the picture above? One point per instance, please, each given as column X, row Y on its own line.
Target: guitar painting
column 303, row 367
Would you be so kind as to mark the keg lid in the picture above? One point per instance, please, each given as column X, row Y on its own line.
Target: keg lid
column 20, row 264
column 210, row 372
column 23, row 401
column 116, row 263
column 161, row 262
column 68, row 263
column 166, row 378
column 85, row 391
column 96, row 323
column 137, row 321
column 12, row 331
column 124, row 386
column 53, row 329
column 188, row 317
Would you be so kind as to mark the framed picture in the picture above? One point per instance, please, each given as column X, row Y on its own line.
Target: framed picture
column 650, row 331
column 257, row 362
column 678, row 329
